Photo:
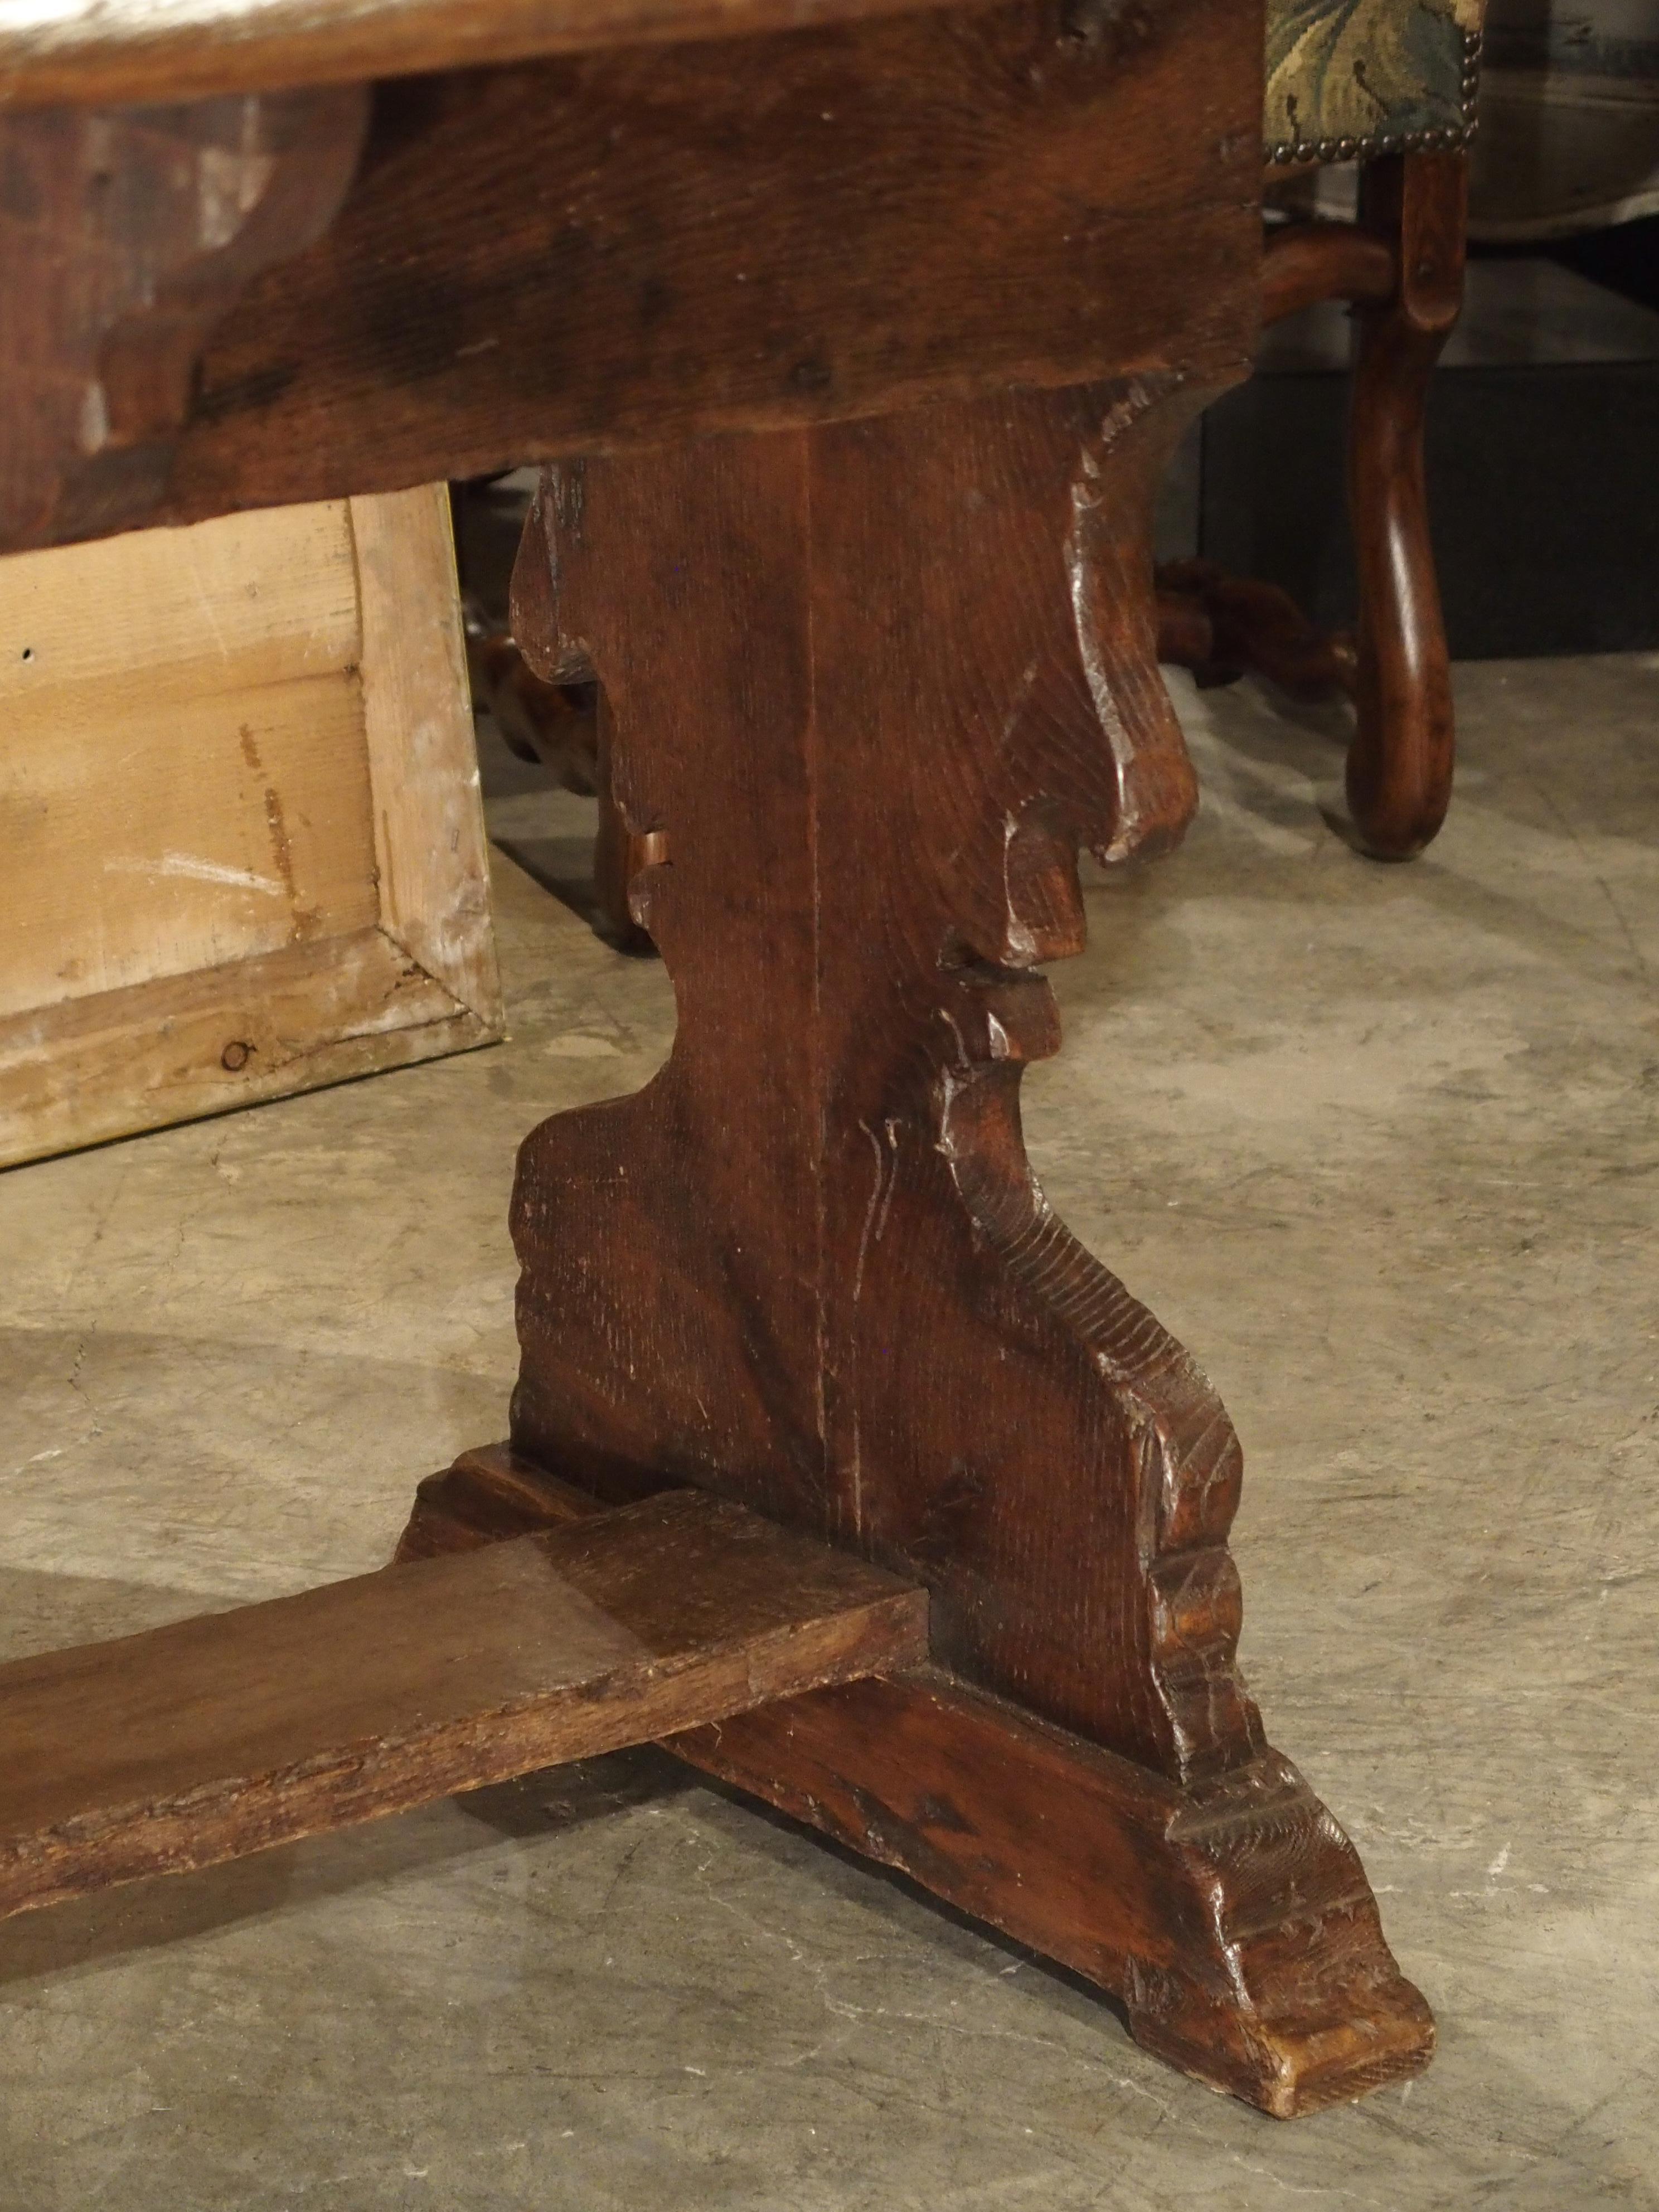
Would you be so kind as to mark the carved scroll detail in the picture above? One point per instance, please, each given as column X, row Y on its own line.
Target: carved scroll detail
column 1183, row 1458
column 1184, row 1454
column 1117, row 619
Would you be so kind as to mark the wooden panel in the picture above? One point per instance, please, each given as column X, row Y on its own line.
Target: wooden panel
column 246, row 851
column 133, row 50
column 184, row 781
column 207, row 831
column 633, row 247
column 162, row 616
column 224, row 1735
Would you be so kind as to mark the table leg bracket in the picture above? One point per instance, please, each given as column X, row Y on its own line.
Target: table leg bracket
column 1231, row 1919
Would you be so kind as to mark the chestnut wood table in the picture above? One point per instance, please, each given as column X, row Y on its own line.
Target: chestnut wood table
column 854, row 340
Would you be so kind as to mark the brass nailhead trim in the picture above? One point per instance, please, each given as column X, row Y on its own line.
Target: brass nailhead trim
column 1393, row 142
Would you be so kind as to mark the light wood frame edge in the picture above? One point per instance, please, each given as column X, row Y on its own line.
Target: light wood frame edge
column 420, row 984
column 422, row 755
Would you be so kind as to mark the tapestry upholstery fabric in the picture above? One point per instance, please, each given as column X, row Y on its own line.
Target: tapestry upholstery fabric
column 1353, row 77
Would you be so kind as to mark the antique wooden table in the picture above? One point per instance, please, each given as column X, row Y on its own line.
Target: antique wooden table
column 854, row 340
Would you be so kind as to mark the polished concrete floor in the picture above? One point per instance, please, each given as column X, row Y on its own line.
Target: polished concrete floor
column 1382, row 1145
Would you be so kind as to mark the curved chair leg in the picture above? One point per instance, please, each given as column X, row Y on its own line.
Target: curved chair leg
column 1400, row 764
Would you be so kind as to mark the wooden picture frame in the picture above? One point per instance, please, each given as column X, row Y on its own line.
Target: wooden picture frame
column 239, row 793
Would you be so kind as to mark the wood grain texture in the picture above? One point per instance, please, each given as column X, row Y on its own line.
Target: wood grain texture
column 107, row 52
column 1400, row 761
column 123, row 236
column 869, row 680
column 183, row 1047
column 489, row 1494
column 224, row 1735
column 814, row 1243
column 1231, row 1919
column 638, row 247
column 183, row 781
column 245, row 842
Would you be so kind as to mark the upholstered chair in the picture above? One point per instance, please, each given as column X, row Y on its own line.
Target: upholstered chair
column 1390, row 85
column 1355, row 80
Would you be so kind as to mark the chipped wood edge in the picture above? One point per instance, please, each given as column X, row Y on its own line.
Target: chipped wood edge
column 423, row 752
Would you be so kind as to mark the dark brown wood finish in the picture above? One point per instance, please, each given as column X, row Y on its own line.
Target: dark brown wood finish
column 1400, row 764
column 225, row 1734
column 859, row 350
column 621, row 852
column 813, row 1244
column 124, row 239
column 1306, row 262
column 624, row 247
column 119, row 52
column 563, row 728
column 1231, row 1919
column 844, row 1303
column 1219, row 625
column 554, row 724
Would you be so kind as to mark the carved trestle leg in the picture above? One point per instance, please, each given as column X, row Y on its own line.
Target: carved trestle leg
column 870, row 686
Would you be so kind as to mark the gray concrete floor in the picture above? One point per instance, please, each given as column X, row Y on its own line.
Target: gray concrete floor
column 1379, row 1144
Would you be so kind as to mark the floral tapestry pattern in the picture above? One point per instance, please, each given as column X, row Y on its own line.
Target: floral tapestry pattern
column 1363, row 70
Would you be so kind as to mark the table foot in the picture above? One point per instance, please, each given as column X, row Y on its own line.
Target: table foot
column 1230, row 1919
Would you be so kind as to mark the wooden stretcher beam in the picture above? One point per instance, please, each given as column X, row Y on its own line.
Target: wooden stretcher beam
column 226, row 1733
